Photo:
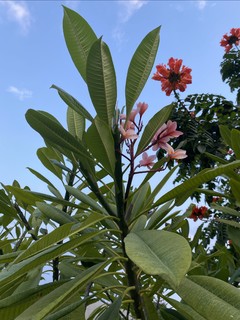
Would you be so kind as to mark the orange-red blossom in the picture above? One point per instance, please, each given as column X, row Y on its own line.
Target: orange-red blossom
column 229, row 40
column 174, row 77
column 198, row 213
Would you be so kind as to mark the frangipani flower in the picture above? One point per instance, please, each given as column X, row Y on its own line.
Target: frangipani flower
column 176, row 77
column 164, row 134
column 229, row 41
column 175, row 154
column 128, row 133
column 142, row 107
column 147, row 161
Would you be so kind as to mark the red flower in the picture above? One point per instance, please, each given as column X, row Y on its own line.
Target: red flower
column 229, row 41
column 176, row 77
column 198, row 213
column 216, row 199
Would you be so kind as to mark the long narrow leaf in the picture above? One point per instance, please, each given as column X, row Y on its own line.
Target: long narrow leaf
column 76, row 123
column 153, row 125
column 101, row 81
column 211, row 297
column 183, row 191
column 100, row 141
column 55, row 133
column 140, row 67
column 79, row 38
column 73, row 103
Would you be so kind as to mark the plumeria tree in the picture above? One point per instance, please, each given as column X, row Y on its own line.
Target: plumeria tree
column 121, row 249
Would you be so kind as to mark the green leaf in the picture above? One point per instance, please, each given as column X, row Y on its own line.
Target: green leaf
column 40, row 177
column 84, row 198
column 235, row 137
column 137, row 202
column 235, row 187
column 55, row 133
column 139, row 224
column 150, row 309
column 76, row 123
column 46, row 155
column 159, row 215
column 159, row 186
column 112, row 312
column 100, row 141
column 79, row 38
column 186, row 311
column 153, row 125
column 23, row 195
column 15, row 271
column 59, row 296
column 184, row 190
column 73, row 103
column 101, row 81
column 230, row 222
column 161, row 253
column 210, row 297
column 54, row 213
column 31, row 197
column 140, row 67
column 15, row 304
column 57, row 235
column 226, row 210
column 226, row 135
column 234, row 234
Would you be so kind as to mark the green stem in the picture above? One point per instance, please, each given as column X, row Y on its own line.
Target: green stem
column 121, row 207
column 55, row 262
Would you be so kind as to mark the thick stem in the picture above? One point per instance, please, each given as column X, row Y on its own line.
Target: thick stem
column 24, row 220
column 55, row 262
column 121, row 210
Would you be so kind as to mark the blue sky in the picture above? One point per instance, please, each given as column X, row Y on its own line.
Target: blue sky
column 34, row 56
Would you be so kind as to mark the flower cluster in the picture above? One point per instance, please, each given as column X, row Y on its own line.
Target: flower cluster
column 229, row 40
column 198, row 213
column 174, row 77
column 130, row 130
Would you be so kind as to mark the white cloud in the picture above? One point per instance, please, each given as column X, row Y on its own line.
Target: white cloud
column 129, row 7
column 201, row 4
column 118, row 35
column 18, row 12
column 20, row 93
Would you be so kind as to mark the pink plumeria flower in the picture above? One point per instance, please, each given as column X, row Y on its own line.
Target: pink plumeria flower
column 175, row 154
column 133, row 114
column 147, row 161
column 142, row 107
column 164, row 134
column 128, row 133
